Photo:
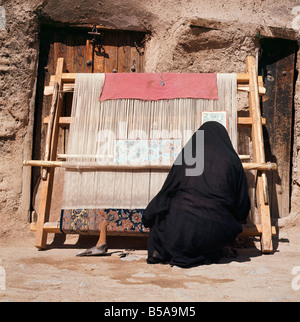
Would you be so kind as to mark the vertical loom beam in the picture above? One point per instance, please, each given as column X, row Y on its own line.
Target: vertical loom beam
column 259, row 156
column 47, row 185
column 49, row 130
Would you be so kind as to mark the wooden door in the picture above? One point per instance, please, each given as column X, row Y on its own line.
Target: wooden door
column 277, row 65
column 114, row 51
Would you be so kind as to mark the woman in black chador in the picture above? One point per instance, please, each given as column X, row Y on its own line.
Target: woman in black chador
column 192, row 218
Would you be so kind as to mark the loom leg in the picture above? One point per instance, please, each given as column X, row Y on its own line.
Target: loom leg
column 44, row 209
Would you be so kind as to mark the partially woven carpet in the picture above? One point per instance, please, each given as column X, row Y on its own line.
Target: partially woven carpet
column 88, row 221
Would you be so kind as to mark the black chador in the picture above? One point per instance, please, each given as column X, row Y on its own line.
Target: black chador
column 193, row 217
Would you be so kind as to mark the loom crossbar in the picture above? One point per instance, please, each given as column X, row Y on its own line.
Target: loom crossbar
column 69, row 80
column 248, row 230
column 91, row 166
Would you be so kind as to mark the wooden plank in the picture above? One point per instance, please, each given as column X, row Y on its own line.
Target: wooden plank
column 60, row 47
column 242, row 121
column 50, row 129
column 62, row 39
column 89, row 61
column 80, row 51
column 245, row 88
column 247, row 121
column 124, row 52
column 282, row 137
column 93, row 166
column 111, row 50
column 47, row 185
column 136, row 65
column 258, row 155
column 64, row 121
column 98, row 57
column 248, row 230
column 242, row 78
column 70, row 52
column 269, row 131
column 65, row 156
column 278, row 65
column 71, row 45
column 255, row 230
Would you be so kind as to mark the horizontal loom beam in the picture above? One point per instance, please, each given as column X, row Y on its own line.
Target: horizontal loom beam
column 242, row 78
column 65, row 156
column 241, row 121
column 248, row 230
column 93, row 166
column 68, row 80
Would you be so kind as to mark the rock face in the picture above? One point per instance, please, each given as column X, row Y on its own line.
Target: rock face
column 18, row 65
column 190, row 36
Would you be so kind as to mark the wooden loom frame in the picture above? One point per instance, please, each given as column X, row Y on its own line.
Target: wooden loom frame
column 63, row 82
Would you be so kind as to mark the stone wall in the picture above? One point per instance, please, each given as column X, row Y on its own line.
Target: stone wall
column 223, row 34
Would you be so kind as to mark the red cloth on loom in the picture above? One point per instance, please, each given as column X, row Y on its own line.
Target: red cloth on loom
column 156, row 86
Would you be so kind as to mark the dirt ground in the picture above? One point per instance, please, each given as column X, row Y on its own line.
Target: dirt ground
column 123, row 275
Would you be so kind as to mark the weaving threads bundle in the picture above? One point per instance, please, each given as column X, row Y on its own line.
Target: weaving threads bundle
column 97, row 126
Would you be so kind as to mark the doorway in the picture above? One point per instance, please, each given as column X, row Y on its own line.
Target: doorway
column 277, row 66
